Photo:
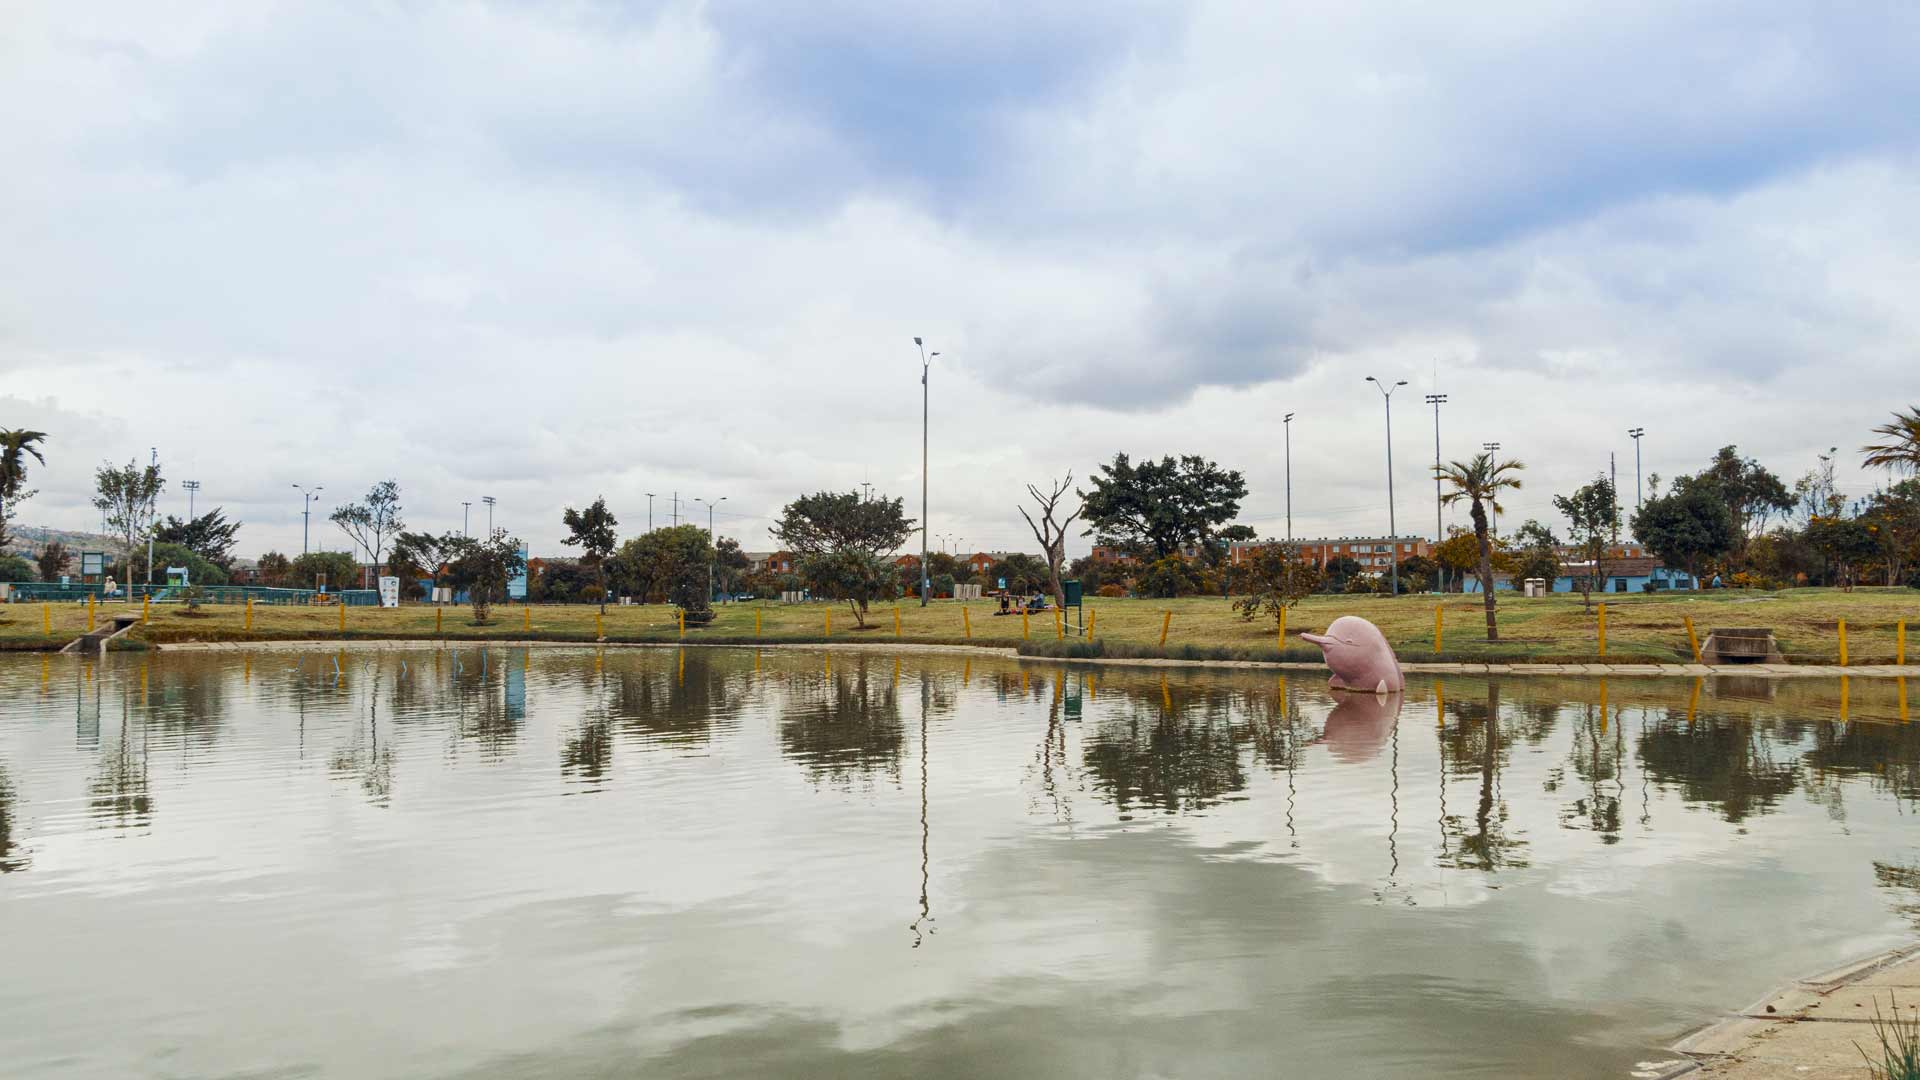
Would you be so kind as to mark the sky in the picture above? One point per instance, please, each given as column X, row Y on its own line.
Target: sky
column 544, row 252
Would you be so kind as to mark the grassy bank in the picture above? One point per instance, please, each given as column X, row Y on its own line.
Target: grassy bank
column 1640, row 628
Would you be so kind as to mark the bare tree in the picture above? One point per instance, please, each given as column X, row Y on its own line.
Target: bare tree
column 1051, row 534
column 372, row 524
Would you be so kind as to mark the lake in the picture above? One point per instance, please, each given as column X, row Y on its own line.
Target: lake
column 477, row 862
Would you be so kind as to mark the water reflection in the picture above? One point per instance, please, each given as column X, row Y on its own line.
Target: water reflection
column 11, row 856
column 845, row 727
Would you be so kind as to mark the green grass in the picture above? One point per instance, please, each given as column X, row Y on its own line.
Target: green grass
column 1640, row 627
column 1899, row 1038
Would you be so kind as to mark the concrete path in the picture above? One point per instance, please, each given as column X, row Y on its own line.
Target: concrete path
column 1810, row 1029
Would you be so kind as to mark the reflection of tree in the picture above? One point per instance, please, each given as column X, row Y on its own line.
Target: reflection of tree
column 1056, row 774
column 1904, row 883
column 481, row 708
column 1473, row 745
column 1166, row 755
column 1721, row 762
column 10, row 860
column 847, row 727
column 370, row 764
column 185, row 702
column 119, row 791
column 1595, row 760
column 1887, row 754
column 673, row 708
column 588, row 754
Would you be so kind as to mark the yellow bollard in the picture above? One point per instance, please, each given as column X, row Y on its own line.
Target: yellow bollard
column 1023, row 626
column 1092, row 617
column 966, row 621
column 437, row 613
column 682, row 613
column 46, row 618
column 343, row 616
column 1282, row 635
column 599, row 626
column 89, row 613
column 829, row 614
column 1059, row 626
column 526, row 616
column 1693, row 639
column 1900, row 642
column 1439, row 628
column 249, row 614
column 1165, row 621
column 1843, row 643
column 146, row 609
column 1603, row 631
column 896, row 620
column 756, row 625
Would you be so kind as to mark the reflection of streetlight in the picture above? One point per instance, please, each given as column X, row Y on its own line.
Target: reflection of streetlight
column 925, row 907
column 1393, row 544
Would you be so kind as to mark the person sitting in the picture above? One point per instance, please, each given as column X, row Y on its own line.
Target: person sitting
column 1006, row 605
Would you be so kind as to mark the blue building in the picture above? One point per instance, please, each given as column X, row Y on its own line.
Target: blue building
column 1630, row 574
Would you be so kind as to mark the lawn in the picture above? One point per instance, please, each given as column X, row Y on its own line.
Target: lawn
column 1640, row 627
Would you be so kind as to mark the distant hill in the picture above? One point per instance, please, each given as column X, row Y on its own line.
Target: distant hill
column 28, row 540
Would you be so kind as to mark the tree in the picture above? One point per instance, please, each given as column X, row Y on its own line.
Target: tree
column 591, row 530
column 1846, row 542
column 1752, row 493
column 1418, row 573
column 275, row 570
column 200, row 569
column 1276, row 578
column 1052, row 534
column 1171, row 576
column 373, row 521
column 1460, row 553
column 1900, row 452
column 483, row 568
column 1687, row 526
column 845, row 543
column 211, row 536
column 16, row 446
column 730, row 565
column 1022, row 572
column 1594, row 515
column 53, row 559
column 14, row 568
column 1479, row 482
column 1340, row 570
column 127, row 497
column 1533, row 553
column 336, row 569
column 1893, row 517
column 420, row 555
column 1156, row 508
column 670, row 562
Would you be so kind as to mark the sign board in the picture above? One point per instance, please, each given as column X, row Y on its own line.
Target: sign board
column 443, row 595
column 390, row 592
column 517, row 584
column 1003, row 583
column 93, row 563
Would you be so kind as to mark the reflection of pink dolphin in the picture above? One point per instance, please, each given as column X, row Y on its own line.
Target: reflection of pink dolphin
column 1360, row 724
column 1359, row 656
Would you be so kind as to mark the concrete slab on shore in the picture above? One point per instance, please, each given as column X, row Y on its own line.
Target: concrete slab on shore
column 1813, row 1027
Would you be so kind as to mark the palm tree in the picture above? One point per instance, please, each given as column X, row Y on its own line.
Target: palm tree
column 15, row 446
column 1480, row 481
column 1901, row 451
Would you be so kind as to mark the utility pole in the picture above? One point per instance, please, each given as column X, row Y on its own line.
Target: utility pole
column 926, row 579
column 488, row 499
column 1287, row 424
column 1393, row 531
column 649, row 511
column 191, row 486
column 1636, row 432
column 1492, row 448
column 1439, row 527
column 306, row 511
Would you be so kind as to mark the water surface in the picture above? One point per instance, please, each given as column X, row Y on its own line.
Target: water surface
column 492, row 863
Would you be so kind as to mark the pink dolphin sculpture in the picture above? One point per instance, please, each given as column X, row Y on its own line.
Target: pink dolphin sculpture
column 1359, row 656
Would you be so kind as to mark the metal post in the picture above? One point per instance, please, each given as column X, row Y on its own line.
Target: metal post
column 926, row 579
column 1636, row 433
column 649, row 511
column 1393, row 530
column 1439, row 525
column 1287, row 424
column 153, row 513
column 488, row 499
column 465, row 509
column 306, row 511
column 191, row 486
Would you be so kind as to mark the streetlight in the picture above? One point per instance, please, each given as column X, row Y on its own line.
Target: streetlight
column 1636, row 433
column 465, row 509
column 488, row 499
column 711, row 553
column 1393, row 543
column 1287, row 421
column 926, row 580
column 1439, row 529
column 650, row 511
column 1492, row 448
column 306, row 511
column 191, row 486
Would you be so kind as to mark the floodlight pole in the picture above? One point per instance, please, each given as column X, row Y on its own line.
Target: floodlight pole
column 1636, row 433
column 926, row 580
column 1439, row 526
column 1393, row 543
column 1287, row 425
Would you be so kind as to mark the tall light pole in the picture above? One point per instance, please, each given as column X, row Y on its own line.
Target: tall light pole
column 1393, row 530
column 1439, row 528
column 926, row 580
column 466, row 508
column 488, row 499
column 191, row 486
column 153, row 518
column 1636, row 433
column 1287, row 422
column 1492, row 448
column 306, row 511
column 649, row 511
column 711, row 552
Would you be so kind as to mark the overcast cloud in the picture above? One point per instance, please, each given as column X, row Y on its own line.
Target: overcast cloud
column 543, row 252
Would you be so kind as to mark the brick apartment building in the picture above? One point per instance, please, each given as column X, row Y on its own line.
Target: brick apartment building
column 1371, row 552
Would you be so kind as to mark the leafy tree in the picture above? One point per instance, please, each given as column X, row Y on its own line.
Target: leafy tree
column 1341, row 569
column 1156, row 508
column 730, row 565
column 1686, row 527
column 1459, row 553
column 1023, row 573
column 563, row 581
column 1751, row 492
column 418, row 555
column 1846, row 542
column 1594, row 513
column 845, row 543
column 1171, row 576
column 483, row 568
column 1899, row 453
column 1052, row 534
column 1893, row 517
column 1534, row 552
column 276, row 570
column 16, row 446
column 1418, row 573
column 338, row 569
column 592, row 531
column 127, row 497
column 1090, row 573
column 372, row 522
column 211, row 536
column 14, row 567
column 669, row 563
column 1479, row 482
column 1276, row 578
column 53, row 560
column 200, row 569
